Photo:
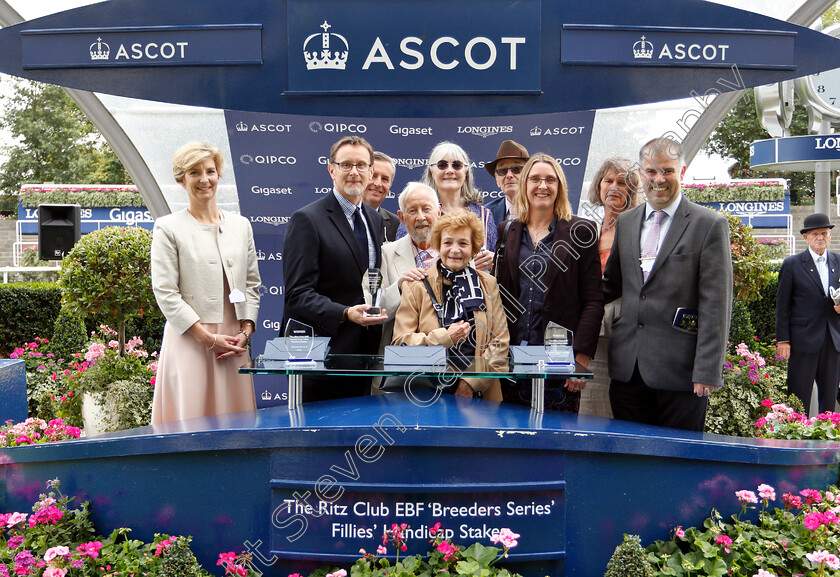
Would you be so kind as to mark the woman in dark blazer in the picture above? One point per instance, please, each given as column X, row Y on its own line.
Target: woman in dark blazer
column 550, row 271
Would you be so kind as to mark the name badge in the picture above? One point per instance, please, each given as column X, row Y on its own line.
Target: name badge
column 236, row 296
column 647, row 263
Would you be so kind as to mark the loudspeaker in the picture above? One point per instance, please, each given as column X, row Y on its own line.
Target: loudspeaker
column 59, row 227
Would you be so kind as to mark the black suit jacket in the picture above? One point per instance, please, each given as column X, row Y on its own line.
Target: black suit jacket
column 323, row 269
column 573, row 298
column 802, row 308
column 391, row 222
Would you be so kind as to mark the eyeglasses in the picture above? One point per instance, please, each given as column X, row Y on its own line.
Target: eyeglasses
column 549, row 180
column 348, row 166
column 444, row 164
column 513, row 169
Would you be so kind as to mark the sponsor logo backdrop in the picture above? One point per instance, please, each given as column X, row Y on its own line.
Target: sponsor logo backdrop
column 281, row 165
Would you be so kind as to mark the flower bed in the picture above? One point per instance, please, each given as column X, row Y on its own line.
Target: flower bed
column 734, row 192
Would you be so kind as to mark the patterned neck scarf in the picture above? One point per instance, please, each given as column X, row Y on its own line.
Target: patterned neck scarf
column 464, row 295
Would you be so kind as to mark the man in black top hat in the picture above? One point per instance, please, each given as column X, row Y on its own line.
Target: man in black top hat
column 506, row 168
column 807, row 320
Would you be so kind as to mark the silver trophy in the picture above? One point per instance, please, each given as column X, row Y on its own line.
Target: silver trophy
column 299, row 338
column 373, row 287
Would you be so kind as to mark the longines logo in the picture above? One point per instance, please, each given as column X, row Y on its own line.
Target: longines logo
column 337, row 127
column 325, row 50
column 644, row 50
column 484, row 131
column 411, row 163
column 267, row 159
column 243, row 127
column 272, row 220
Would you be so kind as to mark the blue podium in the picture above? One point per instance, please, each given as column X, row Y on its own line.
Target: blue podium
column 313, row 485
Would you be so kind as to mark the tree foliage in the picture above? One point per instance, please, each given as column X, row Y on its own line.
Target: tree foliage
column 739, row 128
column 54, row 141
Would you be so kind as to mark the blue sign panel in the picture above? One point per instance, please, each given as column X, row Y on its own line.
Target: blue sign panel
column 93, row 218
column 796, row 152
column 354, row 519
column 280, row 163
column 334, row 46
column 670, row 46
column 141, row 46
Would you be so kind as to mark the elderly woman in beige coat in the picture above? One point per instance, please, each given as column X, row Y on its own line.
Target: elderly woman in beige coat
column 205, row 279
column 473, row 320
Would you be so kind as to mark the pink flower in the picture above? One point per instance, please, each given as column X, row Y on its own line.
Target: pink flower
column 812, row 521
column 15, row 518
column 507, row 537
column 339, row 573
column 763, row 573
column 447, row 549
column 90, row 549
column 725, row 541
column 823, row 556
column 163, row 546
column 746, row 496
column 811, row 496
column 53, row 552
column 433, row 530
column 55, row 572
column 226, row 558
column 381, row 550
column 767, row 492
column 791, row 501
column 678, row 532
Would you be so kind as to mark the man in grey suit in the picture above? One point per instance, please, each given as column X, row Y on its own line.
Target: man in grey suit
column 671, row 265
column 381, row 180
column 807, row 320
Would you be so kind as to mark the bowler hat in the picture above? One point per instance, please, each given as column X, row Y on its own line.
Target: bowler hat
column 508, row 149
column 815, row 221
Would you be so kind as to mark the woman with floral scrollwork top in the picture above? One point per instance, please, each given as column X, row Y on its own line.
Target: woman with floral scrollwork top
column 205, row 278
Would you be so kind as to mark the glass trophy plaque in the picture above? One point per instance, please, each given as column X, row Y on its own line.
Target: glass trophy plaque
column 558, row 342
column 373, row 287
column 299, row 338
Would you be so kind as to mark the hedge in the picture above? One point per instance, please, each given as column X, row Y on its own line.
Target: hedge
column 29, row 311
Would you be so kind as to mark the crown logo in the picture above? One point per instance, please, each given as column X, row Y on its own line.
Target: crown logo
column 330, row 54
column 536, row 131
column 260, row 255
column 266, row 395
column 99, row 50
column 643, row 49
column 241, row 127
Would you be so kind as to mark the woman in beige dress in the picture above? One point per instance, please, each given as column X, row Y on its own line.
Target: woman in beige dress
column 205, row 278
column 614, row 189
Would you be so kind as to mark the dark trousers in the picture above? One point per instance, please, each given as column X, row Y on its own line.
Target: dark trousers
column 822, row 366
column 634, row 401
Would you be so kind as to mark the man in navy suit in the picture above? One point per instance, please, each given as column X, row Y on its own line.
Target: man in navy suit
column 329, row 245
column 807, row 320
column 377, row 190
column 506, row 169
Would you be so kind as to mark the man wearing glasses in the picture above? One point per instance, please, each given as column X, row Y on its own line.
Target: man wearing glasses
column 329, row 245
column 507, row 167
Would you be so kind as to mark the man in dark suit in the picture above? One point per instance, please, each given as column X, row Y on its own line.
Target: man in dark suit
column 506, row 169
column 381, row 180
column 671, row 266
column 329, row 245
column 807, row 320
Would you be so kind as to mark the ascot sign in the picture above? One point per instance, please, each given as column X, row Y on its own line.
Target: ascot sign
column 499, row 55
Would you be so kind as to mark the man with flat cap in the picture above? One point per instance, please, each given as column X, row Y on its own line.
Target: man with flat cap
column 807, row 320
column 506, row 169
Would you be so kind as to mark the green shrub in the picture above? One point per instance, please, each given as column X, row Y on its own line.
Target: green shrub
column 29, row 311
column 741, row 329
column 87, row 196
column 69, row 334
column 734, row 192
column 750, row 266
column 108, row 273
column 763, row 309
column 629, row 560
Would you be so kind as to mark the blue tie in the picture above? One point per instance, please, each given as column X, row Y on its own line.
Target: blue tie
column 361, row 235
column 823, row 270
